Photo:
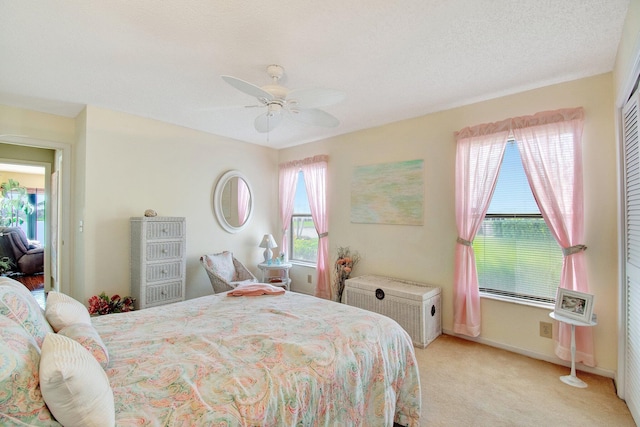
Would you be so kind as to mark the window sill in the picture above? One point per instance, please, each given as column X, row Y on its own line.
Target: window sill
column 519, row 301
column 303, row 263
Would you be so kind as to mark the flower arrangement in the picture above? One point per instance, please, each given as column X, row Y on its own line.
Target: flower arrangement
column 344, row 266
column 102, row 304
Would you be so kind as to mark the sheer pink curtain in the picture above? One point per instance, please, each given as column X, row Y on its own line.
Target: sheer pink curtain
column 243, row 201
column 288, row 179
column 550, row 145
column 315, row 177
column 478, row 158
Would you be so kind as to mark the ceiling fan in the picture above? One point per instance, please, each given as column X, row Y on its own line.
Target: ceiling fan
column 301, row 105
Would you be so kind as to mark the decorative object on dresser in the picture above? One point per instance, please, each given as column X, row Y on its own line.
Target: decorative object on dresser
column 225, row 271
column 157, row 260
column 415, row 306
column 268, row 242
column 282, row 280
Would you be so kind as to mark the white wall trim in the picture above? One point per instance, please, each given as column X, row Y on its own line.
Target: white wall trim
column 555, row 360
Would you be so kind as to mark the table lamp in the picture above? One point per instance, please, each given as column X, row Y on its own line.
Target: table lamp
column 268, row 242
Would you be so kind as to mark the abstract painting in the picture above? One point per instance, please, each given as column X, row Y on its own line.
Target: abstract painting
column 388, row 193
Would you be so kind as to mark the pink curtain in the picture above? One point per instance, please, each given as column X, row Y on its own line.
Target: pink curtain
column 479, row 155
column 288, row 180
column 243, row 201
column 315, row 177
column 550, row 145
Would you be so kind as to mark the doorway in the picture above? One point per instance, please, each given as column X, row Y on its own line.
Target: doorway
column 23, row 209
column 26, row 222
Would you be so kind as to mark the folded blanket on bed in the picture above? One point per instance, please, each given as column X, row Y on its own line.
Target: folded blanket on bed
column 254, row 289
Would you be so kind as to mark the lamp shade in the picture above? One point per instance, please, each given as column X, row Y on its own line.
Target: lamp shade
column 268, row 242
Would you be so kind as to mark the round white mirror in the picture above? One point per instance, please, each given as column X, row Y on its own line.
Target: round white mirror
column 233, row 201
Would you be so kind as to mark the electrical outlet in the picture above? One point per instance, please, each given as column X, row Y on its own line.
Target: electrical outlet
column 546, row 330
column 308, row 278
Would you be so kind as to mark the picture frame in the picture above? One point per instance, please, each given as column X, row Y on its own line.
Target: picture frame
column 574, row 305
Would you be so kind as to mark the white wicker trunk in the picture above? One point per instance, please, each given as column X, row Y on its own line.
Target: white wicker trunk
column 415, row 306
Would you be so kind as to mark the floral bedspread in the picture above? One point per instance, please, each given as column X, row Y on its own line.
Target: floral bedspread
column 286, row 360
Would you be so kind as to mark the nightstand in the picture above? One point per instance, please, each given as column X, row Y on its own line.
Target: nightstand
column 278, row 280
column 572, row 379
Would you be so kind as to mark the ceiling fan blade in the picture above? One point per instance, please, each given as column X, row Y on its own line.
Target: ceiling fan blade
column 314, row 116
column 248, row 88
column 315, row 97
column 267, row 122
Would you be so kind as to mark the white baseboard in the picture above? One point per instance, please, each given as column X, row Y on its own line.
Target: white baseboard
column 551, row 359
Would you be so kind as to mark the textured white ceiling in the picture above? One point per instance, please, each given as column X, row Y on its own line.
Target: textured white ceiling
column 394, row 60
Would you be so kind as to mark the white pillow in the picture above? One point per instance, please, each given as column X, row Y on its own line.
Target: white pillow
column 61, row 310
column 88, row 337
column 222, row 265
column 74, row 386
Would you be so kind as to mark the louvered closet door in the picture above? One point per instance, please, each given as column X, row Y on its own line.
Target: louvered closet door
column 632, row 253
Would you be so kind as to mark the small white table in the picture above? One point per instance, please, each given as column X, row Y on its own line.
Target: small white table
column 572, row 379
column 283, row 266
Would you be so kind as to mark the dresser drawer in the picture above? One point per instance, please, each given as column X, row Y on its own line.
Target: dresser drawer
column 165, row 230
column 164, row 271
column 161, row 294
column 164, row 250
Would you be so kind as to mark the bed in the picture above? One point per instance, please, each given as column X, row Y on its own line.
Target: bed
column 285, row 360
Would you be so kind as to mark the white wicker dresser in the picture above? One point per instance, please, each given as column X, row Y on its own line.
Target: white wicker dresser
column 157, row 260
column 415, row 306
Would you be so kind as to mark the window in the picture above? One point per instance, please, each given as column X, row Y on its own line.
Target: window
column 34, row 227
column 516, row 255
column 304, row 237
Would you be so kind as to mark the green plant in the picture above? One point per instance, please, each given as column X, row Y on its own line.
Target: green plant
column 5, row 264
column 14, row 204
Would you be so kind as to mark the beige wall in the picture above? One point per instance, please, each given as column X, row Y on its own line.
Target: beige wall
column 132, row 164
column 426, row 253
column 35, row 125
column 27, row 180
column 627, row 49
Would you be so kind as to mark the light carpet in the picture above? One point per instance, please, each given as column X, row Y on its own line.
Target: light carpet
column 469, row 384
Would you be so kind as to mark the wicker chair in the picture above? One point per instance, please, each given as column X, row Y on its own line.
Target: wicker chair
column 225, row 271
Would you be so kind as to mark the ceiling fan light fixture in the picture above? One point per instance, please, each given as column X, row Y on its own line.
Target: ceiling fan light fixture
column 274, row 108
